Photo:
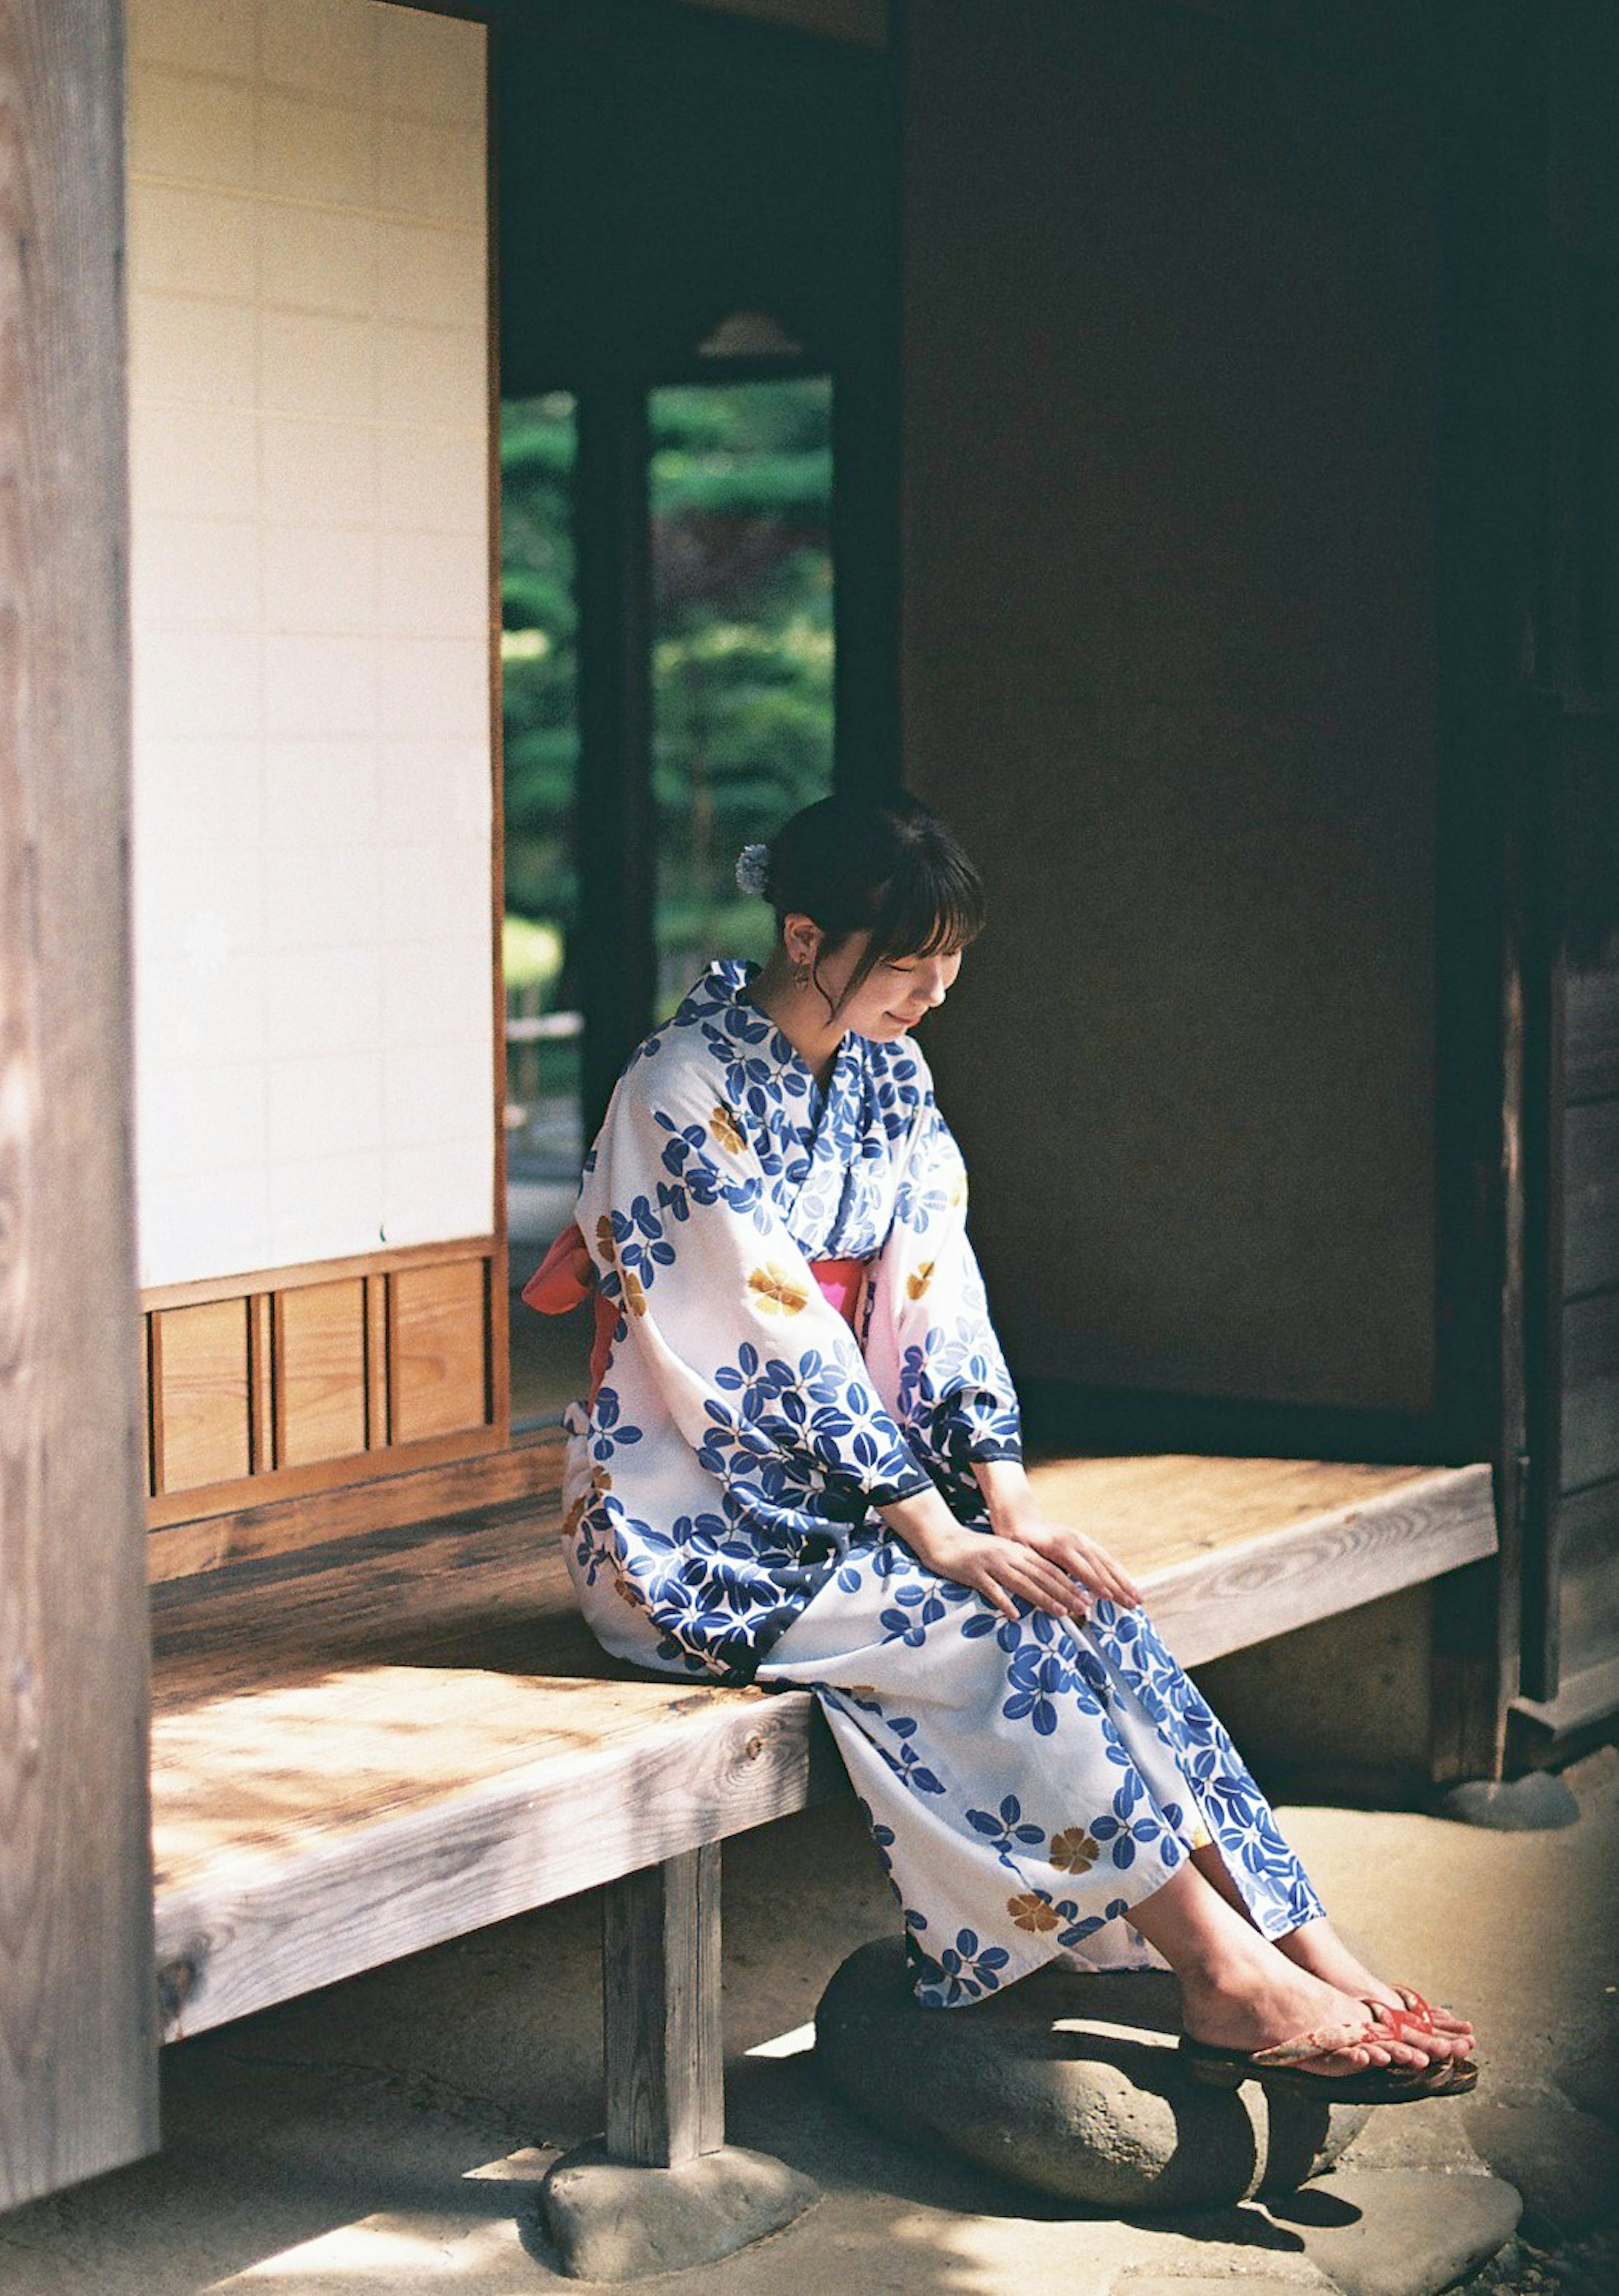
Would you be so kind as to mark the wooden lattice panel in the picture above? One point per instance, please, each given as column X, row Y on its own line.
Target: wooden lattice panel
column 264, row 1388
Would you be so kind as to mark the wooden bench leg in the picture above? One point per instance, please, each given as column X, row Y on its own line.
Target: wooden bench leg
column 663, row 2190
column 664, row 2042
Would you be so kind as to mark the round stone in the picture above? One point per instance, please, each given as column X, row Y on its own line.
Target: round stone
column 1069, row 2082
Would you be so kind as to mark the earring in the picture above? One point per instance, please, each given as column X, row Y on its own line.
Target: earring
column 801, row 977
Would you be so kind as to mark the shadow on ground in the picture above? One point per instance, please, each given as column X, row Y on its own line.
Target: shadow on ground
column 390, row 2134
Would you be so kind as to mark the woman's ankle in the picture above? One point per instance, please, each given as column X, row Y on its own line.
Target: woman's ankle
column 1223, row 1965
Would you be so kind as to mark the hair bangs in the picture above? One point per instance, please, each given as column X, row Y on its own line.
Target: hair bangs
column 929, row 906
column 886, row 867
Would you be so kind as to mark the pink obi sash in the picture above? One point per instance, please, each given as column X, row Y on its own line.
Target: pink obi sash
column 567, row 1277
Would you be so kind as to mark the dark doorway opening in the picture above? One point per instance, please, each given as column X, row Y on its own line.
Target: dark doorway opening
column 699, row 528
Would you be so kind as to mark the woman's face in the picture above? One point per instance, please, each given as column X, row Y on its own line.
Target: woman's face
column 894, row 995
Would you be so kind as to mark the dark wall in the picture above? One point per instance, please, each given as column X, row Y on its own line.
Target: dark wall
column 1169, row 667
column 660, row 166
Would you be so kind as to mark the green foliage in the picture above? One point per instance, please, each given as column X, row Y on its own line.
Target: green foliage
column 531, row 955
column 740, row 486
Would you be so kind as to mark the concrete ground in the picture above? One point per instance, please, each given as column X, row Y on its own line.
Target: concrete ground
column 388, row 2135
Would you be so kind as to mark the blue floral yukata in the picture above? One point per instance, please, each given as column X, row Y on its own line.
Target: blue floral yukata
column 1026, row 1781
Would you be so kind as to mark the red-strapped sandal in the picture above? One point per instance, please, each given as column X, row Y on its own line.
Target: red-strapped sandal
column 1418, row 2021
column 1277, row 2066
column 1426, row 2017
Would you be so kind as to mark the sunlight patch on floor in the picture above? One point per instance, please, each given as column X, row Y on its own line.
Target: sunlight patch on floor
column 386, row 2251
column 785, row 2045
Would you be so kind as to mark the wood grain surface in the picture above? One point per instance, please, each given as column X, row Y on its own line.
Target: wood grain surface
column 280, row 1385
column 77, row 2034
column 424, row 1492
column 365, row 1749
column 663, row 2047
column 319, row 1376
column 437, row 1349
column 201, row 1402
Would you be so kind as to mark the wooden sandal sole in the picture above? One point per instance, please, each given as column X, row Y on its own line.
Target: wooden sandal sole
column 1370, row 2085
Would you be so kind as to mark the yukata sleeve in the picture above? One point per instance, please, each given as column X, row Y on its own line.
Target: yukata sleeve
column 930, row 1337
column 754, row 1363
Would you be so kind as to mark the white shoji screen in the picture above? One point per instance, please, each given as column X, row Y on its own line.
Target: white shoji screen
column 309, row 442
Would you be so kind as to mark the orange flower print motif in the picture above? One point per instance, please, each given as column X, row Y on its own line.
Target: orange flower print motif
column 774, row 1288
column 1073, row 1851
column 573, row 1515
column 604, row 1241
column 726, row 1131
column 635, row 1296
column 1033, row 1914
column 600, row 1478
column 958, row 1194
column 919, row 1278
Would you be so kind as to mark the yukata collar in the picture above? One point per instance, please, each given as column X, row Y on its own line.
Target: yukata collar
column 730, row 975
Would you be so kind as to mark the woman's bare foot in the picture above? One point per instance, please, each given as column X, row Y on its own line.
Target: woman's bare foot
column 1255, row 2006
column 1316, row 1947
column 1239, row 1992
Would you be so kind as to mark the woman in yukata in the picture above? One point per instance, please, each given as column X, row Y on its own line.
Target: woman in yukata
column 800, row 1463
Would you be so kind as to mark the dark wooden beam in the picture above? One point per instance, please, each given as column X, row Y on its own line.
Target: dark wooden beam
column 78, row 2014
column 1491, row 121
column 617, row 832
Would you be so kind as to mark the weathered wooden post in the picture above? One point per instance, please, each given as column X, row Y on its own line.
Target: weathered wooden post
column 662, row 2190
column 664, row 2049
column 78, row 2014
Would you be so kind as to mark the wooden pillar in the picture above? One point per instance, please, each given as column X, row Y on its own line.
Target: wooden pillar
column 616, row 834
column 1493, row 321
column 77, row 2009
column 664, row 2051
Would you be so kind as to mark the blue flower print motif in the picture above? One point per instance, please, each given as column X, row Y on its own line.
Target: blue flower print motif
column 699, row 1180
column 894, row 1097
column 985, row 1619
column 1038, row 1677
column 963, row 1971
column 1079, row 1930
column 883, row 1838
column 956, row 1399
column 1006, row 1828
column 881, row 1560
column 917, row 1206
column 773, row 1421
column 914, row 1920
column 906, row 1763
column 592, row 1550
column 640, row 1247
column 608, row 1424
column 917, row 1606
column 1124, row 1830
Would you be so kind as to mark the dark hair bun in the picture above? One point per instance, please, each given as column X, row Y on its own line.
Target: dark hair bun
column 887, row 865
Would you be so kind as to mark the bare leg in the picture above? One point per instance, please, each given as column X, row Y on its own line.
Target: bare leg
column 1316, row 1947
column 1239, row 1992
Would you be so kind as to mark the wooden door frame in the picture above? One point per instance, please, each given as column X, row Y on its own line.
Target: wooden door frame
column 617, row 830
column 77, row 2007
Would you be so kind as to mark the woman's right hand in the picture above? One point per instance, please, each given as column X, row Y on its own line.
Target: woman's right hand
column 998, row 1569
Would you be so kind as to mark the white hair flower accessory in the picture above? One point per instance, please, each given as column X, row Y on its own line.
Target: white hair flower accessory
column 753, row 868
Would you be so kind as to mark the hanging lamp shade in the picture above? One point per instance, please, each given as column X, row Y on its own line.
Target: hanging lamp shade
column 750, row 334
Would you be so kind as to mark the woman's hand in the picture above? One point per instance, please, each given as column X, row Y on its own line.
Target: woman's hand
column 998, row 1569
column 1014, row 1512
column 1071, row 1551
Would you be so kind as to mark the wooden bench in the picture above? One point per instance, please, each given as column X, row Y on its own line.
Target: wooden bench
column 364, row 1750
